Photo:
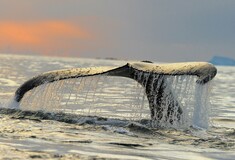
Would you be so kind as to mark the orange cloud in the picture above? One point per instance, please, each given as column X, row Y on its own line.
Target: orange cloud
column 44, row 36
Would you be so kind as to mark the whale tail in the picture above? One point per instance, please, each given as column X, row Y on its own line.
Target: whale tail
column 151, row 76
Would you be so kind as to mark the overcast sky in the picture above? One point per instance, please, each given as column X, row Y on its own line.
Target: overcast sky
column 158, row 30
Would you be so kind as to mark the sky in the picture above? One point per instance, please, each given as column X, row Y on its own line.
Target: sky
column 157, row 30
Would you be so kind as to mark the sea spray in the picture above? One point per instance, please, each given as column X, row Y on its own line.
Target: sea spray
column 113, row 97
column 123, row 98
column 9, row 104
column 202, row 106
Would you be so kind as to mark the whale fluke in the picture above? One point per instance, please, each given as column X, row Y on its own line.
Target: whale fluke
column 158, row 93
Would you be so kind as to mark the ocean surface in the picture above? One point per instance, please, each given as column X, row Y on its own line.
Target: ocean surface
column 101, row 117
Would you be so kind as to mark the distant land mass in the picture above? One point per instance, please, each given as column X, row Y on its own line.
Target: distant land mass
column 223, row 61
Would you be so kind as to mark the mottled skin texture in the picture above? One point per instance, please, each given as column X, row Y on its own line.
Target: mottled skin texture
column 158, row 93
column 160, row 97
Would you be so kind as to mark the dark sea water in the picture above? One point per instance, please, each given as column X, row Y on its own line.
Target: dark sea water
column 108, row 117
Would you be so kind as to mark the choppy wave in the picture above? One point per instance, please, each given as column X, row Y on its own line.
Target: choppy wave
column 215, row 137
column 61, row 117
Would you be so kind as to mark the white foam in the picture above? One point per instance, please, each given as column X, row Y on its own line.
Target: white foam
column 13, row 104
